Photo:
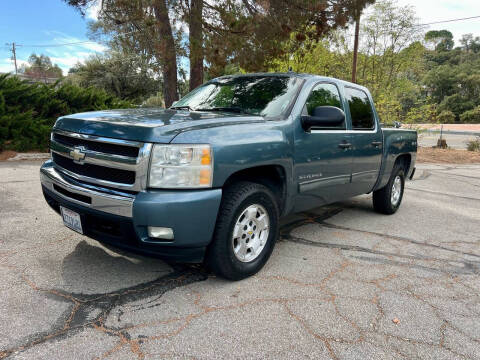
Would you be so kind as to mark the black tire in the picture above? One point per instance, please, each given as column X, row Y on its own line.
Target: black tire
column 220, row 256
column 382, row 198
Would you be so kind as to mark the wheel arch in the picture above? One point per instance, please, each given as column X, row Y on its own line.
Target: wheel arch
column 405, row 160
column 274, row 177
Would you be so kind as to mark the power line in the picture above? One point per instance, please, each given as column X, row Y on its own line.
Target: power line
column 451, row 20
column 134, row 31
column 76, row 42
column 61, row 44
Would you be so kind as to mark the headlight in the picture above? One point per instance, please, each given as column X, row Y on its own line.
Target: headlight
column 181, row 166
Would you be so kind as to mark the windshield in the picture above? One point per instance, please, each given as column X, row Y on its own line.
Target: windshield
column 268, row 96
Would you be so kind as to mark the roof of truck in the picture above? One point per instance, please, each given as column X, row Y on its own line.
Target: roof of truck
column 292, row 74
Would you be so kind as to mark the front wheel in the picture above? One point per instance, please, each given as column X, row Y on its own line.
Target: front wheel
column 245, row 233
column 388, row 199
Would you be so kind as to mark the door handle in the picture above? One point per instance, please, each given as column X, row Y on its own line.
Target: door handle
column 377, row 143
column 345, row 145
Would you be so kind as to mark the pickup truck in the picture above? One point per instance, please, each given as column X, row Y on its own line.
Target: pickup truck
column 208, row 179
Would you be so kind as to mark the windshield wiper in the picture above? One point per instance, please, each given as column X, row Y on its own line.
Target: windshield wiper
column 184, row 107
column 226, row 109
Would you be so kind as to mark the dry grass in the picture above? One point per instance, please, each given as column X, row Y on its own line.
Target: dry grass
column 451, row 156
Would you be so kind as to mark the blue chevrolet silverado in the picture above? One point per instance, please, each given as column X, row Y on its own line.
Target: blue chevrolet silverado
column 209, row 178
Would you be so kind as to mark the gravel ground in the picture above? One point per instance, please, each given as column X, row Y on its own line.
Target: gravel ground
column 454, row 141
column 342, row 283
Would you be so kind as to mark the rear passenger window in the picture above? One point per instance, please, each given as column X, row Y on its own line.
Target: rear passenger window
column 360, row 109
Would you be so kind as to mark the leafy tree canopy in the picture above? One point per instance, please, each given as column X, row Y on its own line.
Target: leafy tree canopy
column 40, row 67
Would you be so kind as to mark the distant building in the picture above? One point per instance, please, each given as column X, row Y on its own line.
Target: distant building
column 35, row 79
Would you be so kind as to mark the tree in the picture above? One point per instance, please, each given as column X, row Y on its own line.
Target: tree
column 195, row 35
column 470, row 44
column 122, row 75
column 253, row 34
column 442, row 40
column 357, row 15
column 247, row 33
column 142, row 27
column 40, row 67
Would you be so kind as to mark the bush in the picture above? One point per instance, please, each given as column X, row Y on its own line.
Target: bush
column 446, row 117
column 154, row 101
column 28, row 111
column 474, row 145
column 457, row 104
column 424, row 114
column 471, row 116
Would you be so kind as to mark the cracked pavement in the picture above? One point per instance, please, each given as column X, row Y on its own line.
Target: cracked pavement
column 343, row 283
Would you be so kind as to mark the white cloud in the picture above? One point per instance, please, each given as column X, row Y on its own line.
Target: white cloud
column 94, row 10
column 7, row 65
column 438, row 10
column 66, row 50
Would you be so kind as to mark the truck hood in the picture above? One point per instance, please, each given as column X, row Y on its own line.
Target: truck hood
column 148, row 125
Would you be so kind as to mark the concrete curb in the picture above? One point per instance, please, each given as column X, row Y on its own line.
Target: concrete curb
column 30, row 156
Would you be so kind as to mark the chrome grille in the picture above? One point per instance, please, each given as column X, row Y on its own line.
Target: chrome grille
column 113, row 163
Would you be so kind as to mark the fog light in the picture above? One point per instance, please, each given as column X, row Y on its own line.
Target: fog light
column 160, row 232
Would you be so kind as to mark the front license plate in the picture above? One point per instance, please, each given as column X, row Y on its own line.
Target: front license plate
column 71, row 219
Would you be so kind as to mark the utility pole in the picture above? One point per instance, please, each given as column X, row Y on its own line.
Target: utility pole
column 14, row 52
column 355, row 48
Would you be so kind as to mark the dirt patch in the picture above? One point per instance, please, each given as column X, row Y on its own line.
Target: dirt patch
column 451, row 156
column 7, row 154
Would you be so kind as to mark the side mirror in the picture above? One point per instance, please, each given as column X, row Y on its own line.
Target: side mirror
column 323, row 117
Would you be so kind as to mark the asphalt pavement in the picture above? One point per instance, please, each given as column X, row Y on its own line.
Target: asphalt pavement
column 343, row 283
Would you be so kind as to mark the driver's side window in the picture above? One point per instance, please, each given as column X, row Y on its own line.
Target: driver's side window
column 322, row 95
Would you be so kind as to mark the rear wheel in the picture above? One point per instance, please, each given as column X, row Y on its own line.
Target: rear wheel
column 388, row 199
column 245, row 233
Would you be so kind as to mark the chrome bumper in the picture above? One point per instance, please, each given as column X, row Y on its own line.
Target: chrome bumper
column 116, row 204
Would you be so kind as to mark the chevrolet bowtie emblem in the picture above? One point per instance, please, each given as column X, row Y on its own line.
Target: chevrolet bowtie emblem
column 78, row 154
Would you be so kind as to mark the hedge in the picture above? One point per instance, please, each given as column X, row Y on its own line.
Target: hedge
column 28, row 111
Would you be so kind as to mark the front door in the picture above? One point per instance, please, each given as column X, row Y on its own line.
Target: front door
column 323, row 157
column 367, row 140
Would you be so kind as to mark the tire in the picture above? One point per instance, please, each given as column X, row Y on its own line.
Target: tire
column 237, row 225
column 383, row 201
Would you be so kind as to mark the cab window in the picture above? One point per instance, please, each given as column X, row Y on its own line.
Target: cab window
column 360, row 109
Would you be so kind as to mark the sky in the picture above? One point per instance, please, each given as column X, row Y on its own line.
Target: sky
column 31, row 23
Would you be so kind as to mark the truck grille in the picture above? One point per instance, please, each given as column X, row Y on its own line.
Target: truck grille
column 113, row 163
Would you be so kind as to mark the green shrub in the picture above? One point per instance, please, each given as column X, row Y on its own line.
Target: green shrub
column 446, row 117
column 28, row 111
column 423, row 114
column 474, row 145
column 471, row 116
column 154, row 101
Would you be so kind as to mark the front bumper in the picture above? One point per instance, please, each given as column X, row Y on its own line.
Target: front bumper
column 121, row 219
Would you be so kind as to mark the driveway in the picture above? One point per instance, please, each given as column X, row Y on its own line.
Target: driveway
column 342, row 283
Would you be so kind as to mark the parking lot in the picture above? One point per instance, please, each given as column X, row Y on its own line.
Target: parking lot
column 342, row 283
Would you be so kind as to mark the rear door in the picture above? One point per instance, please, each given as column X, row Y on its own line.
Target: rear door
column 367, row 140
column 323, row 157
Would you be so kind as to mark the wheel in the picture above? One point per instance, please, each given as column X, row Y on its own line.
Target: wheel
column 245, row 233
column 388, row 199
